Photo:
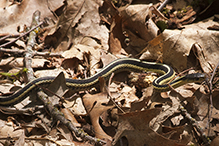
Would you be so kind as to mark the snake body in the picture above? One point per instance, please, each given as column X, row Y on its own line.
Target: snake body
column 124, row 64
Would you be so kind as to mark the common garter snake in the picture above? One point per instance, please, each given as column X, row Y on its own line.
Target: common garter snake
column 124, row 64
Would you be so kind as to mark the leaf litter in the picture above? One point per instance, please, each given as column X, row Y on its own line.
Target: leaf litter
column 88, row 35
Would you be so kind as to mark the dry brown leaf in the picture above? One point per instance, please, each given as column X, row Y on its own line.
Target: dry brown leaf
column 160, row 98
column 69, row 30
column 97, row 105
column 61, row 36
column 116, row 37
column 21, row 140
column 90, row 25
column 215, row 141
column 69, row 115
column 176, row 120
column 50, row 72
column 7, row 129
column 63, row 142
column 134, row 127
column 5, row 88
column 65, row 132
column 12, row 62
column 203, row 104
column 106, row 58
column 138, row 26
column 173, row 132
column 173, row 46
column 197, row 50
column 188, row 89
column 136, row 18
column 75, row 105
column 77, row 53
column 19, row 14
column 138, row 105
column 177, row 133
column 4, row 63
column 34, row 126
column 142, row 80
column 170, row 106
column 57, row 88
column 91, row 42
column 197, row 105
column 130, row 27
column 215, row 99
column 127, row 96
column 71, row 63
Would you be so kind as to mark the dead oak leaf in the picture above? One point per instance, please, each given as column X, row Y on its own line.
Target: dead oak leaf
column 19, row 14
column 172, row 44
column 134, row 127
column 79, row 54
column 61, row 36
column 177, row 133
column 136, row 19
column 96, row 105
column 79, row 19
column 57, row 88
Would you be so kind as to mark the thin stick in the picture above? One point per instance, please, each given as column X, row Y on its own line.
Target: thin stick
column 195, row 124
column 35, row 53
column 30, row 44
column 175, row 77
column 56, row 114
column 26, row 33
column 210, row 96
column 109, row 94
column 8, row 36
column 162, row 5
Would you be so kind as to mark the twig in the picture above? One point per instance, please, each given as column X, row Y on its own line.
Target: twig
column 49, row 54
column 30, row 138
column 26, row 33
column 210, row 96
column 46, row 89
column 9, row 36
column 56, row 114
column 16, row 52
column 162, row 5
column 109, row 94
column 178, row 75
column 35, row 53
column 168, row 83
column 30, row 44
column 171, row 87
column 195, row 124
column 26, row 111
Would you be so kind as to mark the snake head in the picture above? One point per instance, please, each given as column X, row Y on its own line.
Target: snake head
column 196, row 77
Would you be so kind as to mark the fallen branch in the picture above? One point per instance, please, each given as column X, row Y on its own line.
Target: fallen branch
column 210, row 97
column 56, row 114
column 30, row 44
column 160, row 8
column 195, row 124
column 24, row 111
